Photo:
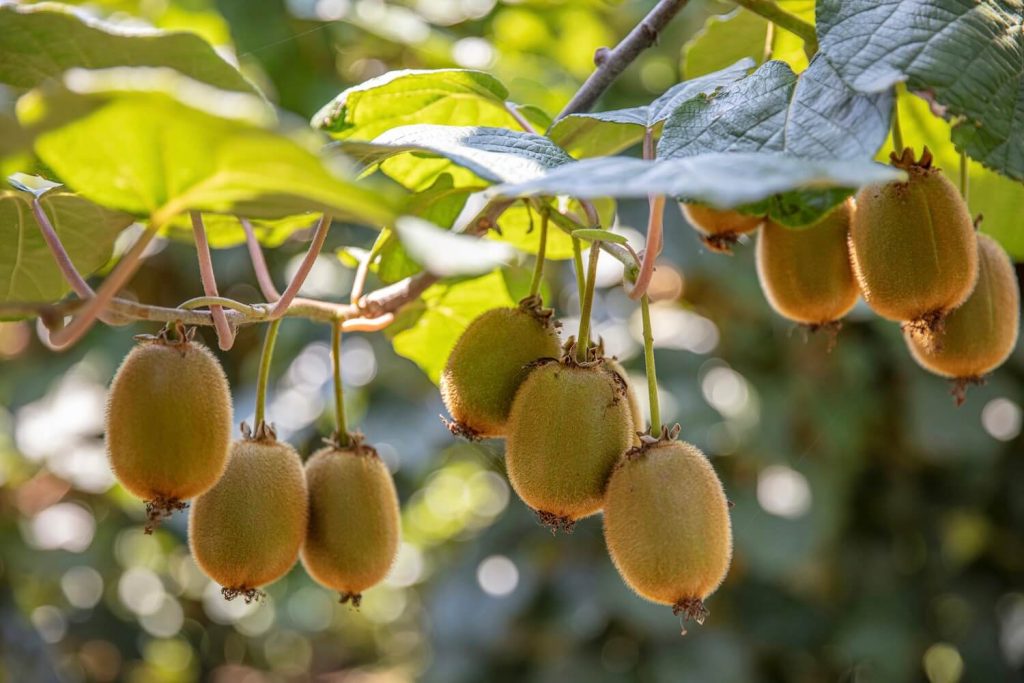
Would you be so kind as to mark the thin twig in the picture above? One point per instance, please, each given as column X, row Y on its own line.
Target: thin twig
column 259, row 263
column 520, row 119
column 290, row 292
column 611, row 63
column 225, row 335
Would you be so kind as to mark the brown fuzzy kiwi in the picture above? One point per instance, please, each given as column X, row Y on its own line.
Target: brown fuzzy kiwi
column 912, row 245
column 719, row 228
column 354, row 526
column 667, row 527
column 489, row 362
column 569, row 424
column 806, row 274
column 168, row 422
column 979, row 336
column 246, row 531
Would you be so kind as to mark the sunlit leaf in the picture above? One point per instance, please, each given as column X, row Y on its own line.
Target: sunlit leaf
column 724, row 40
column 448, row 254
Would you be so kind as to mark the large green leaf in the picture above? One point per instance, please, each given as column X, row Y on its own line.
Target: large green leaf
column 966, row 54
column 28, row 273
column 724, row 40
column 725, row 180
column 455, row 97
column 998, row 198
column 426, row 331
column 496, row 155
column 152, row 142
column 610, row 132
column 814, row 116
column 39, row 42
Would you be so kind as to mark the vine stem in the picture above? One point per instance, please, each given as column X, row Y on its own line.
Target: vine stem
column 655, row 218
column 339, row 399
column 771, row 11
column 611, row 63
column 577, row 263
column 67, row 267
column 897, row 131
column 289, row 294
column 259, row 263
column 652, row 376
column 95, row 305
column 965, row 176
column 583, row 338
column 520, row 119
column 538, row 267
column 225, row 335
column 264, row 377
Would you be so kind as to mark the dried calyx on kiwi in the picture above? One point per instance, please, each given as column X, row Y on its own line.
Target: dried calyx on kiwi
column 912, row 245
column 719, row 229
column 168, row 421
column 570, row 421
column 489, row 362
column 979, row 336
column 666, row 524
column 354, row 528
column 246, row 531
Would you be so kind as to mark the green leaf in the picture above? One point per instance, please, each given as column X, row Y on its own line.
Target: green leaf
column 456, row 97
column 724, row 40
column 496, row 155
column 426, row 331
column 449, row 254
column 42, row 41
column 814, row 116
column 610, row 132
column 594, row 235
column 28, row 273
column 153, row 142
column 224, row 232
column 725, row 180
column 998, row 198
column 966, row 55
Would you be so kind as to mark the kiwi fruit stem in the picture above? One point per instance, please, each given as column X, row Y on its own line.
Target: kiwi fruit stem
column 583, row 338
column 538, row 267
column 652, row 377
column 577, row 262
column 261, row 382
column 341, row 435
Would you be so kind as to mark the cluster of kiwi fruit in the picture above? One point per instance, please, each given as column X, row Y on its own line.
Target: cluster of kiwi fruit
column 575, row 445
column 256, row 508
column 911, row 250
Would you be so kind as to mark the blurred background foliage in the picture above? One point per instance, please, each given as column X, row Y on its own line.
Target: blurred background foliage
column 878, row 527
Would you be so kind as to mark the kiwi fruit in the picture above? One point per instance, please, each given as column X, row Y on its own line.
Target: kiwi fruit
column 806, row 274
column 569, row 424
column 354, row 527
column 489, row 362
column 979, row 336
column 912, row 245
column 719, row 228
column 168, row 422
column 666, row 524
column 246, row 531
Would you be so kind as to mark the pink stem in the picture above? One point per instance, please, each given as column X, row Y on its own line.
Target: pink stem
column 259, row 263
column 520, row 119
column 225, row 335
column 359, row 282
column 78, row 284
column 654, row 230
column 307, row 265
column 117, row 279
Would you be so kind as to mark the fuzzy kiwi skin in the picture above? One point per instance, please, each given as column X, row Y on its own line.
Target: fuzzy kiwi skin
column 634, row 403
column 666, row 523
column 806, row 274
column 719, row 228
column 979, row 336
column 168, row 421
column 568, row 426
column 489, row 362
column 912, row 246
column 354, row 528
column 246, row 531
